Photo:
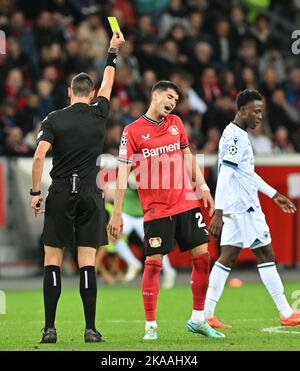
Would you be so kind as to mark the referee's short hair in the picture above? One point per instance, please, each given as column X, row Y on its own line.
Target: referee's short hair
column 82, row 85
column 164, row 85
column 246, row 96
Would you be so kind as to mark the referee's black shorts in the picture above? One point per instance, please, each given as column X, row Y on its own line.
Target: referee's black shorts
column 80, row 215
column 188, row 229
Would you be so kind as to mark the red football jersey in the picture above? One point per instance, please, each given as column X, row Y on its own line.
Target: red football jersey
column 154, row 149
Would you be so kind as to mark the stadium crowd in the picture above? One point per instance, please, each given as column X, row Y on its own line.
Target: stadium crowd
column 210, row 48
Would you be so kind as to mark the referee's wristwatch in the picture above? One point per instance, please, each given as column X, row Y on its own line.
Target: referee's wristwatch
column 37, row 193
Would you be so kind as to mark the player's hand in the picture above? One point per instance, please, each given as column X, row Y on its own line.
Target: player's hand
column 115, row 226
column 284, row 203
column 117, row 40
column 36, row 204
column 216, row 224
column 209, row 201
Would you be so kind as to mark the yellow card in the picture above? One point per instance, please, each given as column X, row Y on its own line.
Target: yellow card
column 114, row 25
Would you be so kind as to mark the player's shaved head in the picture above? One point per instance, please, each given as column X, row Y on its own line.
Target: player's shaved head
column 246, row 96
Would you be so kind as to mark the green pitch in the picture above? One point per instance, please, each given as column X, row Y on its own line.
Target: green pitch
column 120, row 320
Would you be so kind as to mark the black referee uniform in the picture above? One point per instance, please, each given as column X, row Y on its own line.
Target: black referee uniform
column 74, row 203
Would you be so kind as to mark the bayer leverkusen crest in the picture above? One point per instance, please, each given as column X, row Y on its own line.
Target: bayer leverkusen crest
column 173, row 130
column 155, row 242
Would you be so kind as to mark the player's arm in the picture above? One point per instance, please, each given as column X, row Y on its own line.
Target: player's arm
column 223, row 183
column 283, row 202
column 197, row 177
column 37, row 172
column 115, row 225
column 116, row 42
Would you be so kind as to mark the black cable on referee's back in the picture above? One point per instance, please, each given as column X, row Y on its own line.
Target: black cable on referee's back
column 74, row 203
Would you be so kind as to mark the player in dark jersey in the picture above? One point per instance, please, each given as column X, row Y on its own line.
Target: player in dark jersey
column 74, row 205
column 155, row 145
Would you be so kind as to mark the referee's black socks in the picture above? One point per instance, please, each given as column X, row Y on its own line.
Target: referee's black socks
column 52, row 290
column 88, row 292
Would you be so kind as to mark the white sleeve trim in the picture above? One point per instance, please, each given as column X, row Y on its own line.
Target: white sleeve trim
column 224, row 176
column 264, row 187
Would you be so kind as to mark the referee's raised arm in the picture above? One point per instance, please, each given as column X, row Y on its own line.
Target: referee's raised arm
column 116, row 42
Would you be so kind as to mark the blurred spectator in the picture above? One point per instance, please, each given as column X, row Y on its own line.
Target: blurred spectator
column 178, row 34
column 269, row 84
column 208, row 87
column 17, row 59
column 261, row 33
column 220, row 113
column 211, row 145
column 23, row 33
column 147, row 57
column 240, row 28
column 82, row 8
column 174, row 14
column 149, row 78
column 113, row 137
column 30, row 137
column 125, row 9
column 44, row 31
column 28, row 117
column 195, row 30
column 71, row 60
column 52, row 54
column 168, row 58
column 292, row 88
column 145, row 31
column 14, row 87
column 196, row 137
column 8, row 114
column 281, row 141
column 92, row 30
column 185, row 81
column 14, row 144
column 228, row 84
column 46, row 105
column 136, row 110
column 202, row 58
column 125, row 88
column 126, row 57
column 282, row 113
column 59, row 92
column 247, row 56
column 261, row 144
column 223, row 47
column 85, row 56
column 248, row 79
column 273, row 58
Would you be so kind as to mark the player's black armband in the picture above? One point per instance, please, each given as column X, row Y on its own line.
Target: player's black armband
column 112, row 57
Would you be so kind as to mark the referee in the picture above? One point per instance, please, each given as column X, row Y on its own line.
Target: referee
column 74, row 203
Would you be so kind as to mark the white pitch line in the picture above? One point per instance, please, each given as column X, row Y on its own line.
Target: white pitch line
column 280, row 330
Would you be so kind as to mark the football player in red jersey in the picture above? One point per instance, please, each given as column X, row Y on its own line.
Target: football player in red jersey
column 156, row 145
